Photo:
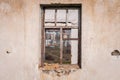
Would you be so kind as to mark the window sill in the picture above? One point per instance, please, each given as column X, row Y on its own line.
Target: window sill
column 59, row 70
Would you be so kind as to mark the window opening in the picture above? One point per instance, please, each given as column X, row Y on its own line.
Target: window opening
column 61, row 35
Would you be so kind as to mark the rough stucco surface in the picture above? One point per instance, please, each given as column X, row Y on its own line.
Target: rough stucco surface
column 20, row 35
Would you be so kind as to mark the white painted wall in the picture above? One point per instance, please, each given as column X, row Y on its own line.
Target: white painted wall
column 20, row 34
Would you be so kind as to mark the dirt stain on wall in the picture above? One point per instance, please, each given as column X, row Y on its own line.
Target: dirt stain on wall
column 9, row 6
column 112, row 10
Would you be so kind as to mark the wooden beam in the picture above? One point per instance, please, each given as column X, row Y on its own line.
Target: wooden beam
column 80, row 39
column 70, row 39
column 61, row 46
column 42, row 37
column 66, row 17
column 73, row 27
column 55, row 17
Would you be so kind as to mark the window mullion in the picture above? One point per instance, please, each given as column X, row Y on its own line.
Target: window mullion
column 66, row 17
column 61, row 46
column 55, row 17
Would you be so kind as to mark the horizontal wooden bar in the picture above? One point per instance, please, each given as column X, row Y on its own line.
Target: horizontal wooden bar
column 70, row 39
column 58, row 5
column 73, row 27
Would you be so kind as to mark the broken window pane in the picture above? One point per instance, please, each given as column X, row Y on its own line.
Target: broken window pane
column 61, row 17
column 66, row 52
column 72, row 17
column 52, row 46
column 66, row 33
column 49, row 17
column 70, row 33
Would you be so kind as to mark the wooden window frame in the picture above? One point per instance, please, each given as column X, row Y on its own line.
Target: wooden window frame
column 60, row 6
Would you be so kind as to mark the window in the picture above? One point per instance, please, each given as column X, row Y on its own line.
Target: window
column 61, row 38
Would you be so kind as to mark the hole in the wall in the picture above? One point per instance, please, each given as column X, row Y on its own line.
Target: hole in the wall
column 115, row 53
column 7, row 52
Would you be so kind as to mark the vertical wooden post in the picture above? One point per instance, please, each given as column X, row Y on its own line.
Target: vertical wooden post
column 55, row 17
column 66, row 17
column 61, row 46
column 80, row 38
column 42, row 37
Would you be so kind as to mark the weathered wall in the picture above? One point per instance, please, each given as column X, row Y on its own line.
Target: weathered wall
column 20, row 35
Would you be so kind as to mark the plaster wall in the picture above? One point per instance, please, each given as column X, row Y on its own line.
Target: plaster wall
column 20, row 29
